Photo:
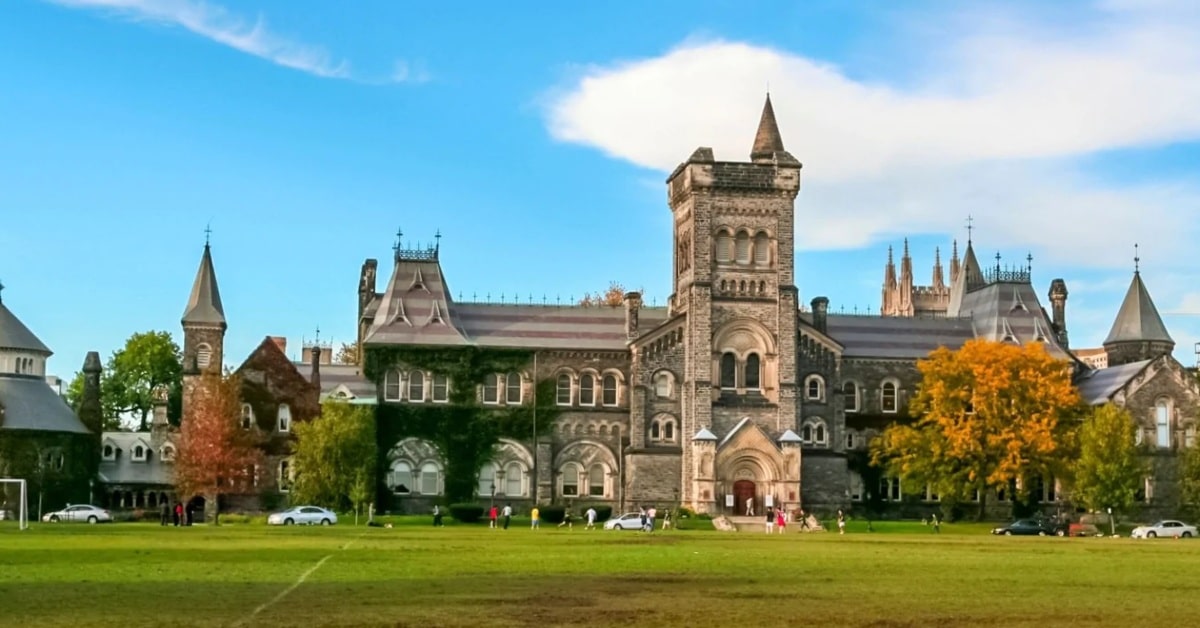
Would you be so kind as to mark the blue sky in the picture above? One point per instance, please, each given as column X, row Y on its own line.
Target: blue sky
column 537, row 139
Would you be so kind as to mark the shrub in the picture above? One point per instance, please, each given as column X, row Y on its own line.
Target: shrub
column 552, row 514
column 466, row 513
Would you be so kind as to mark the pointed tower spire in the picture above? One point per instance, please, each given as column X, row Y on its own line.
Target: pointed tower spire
column 954, row 263
column 204, row 305
column 768, row 143
column 939, row 278
column 1138, row 333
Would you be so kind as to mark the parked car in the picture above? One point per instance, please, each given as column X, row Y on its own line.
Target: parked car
column 1168, row 527
column 310, row 515
column 79, row 513
column 627, row 521
column 1030, row 527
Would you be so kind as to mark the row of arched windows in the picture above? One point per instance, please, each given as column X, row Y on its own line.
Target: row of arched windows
column 24, row 366
column 663, row 429
column 577, row 481
column 744, row 374
column 742, row 248
column 500, row 388
column 587, row 389
column 510, row 480
column 410, row 478
column 889, row 396
column 416, row 387
column 138, row 453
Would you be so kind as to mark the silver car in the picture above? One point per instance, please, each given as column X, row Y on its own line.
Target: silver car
column 78, row 513
column 1166, row 527
column 627, row 521
column 309, row 515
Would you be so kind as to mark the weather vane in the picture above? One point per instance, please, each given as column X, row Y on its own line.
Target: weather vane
column 970, row 227
column 207, row 233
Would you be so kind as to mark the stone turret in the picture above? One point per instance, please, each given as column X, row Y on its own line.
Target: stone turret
column 633, row 304
column 1138, row 333
column 89, row 410
column 1058, row 309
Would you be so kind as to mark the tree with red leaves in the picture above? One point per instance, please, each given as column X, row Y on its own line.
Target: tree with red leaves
column 217, row 455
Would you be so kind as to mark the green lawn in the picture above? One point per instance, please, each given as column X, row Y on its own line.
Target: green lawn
column 415, row 575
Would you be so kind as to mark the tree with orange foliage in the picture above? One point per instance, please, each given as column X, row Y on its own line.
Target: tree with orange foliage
column 217, row 455
column 990, row 416
column 613, row 297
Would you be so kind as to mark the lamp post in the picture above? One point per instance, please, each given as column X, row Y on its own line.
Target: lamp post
column 1112, row 525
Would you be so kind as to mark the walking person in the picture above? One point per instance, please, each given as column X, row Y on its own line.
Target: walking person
column 841, row 521
column 178, row 513
column 650, row 514
column 437, row 516
column 937, row 525
column 749, row 506
column 507, row 512
column 781, row 521
column 534, row 519
column 803, row 520
column 567, row 520
column 770, row 520
column 165, row 515
column 591, row 519
column 666, row 519
column 492, row 517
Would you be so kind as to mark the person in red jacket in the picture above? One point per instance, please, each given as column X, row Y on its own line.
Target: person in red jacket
column 492, row 517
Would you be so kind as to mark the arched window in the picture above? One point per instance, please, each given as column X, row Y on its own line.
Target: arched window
column 850, row 396
column 441, row 388
column 728, row 371
column 596, row 481
column 429, row 479
column 806, row 433
column 753, row 372
column 819, row 436
column 814, row 388
column 139, row 453
column 416, row 386
column 655, row 430
column 889, row 397
column 514, row 480
column 401, row 479
column 285, row 417
column 168, row 453
column 247, row 416
column 587, row 390
column 610, row 390
column 570, row 480
column 487, row 480
column 742, row 248
column 669, row 431
column 563, row 390
column 662, row 384
column 491, row 388
column 512, row 394
column 391, row 386
column 724, row 247
column 203, row 356
column 1162, row 423
column 762, row 249
column 109, row 452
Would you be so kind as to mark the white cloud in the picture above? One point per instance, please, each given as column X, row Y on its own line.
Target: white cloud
column 405, row 72
column 216, row 23
column 995, row 128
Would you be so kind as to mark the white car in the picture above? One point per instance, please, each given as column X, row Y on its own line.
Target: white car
column 1166, row 527
column 310, row 515
column 627, row 521
column 78, row 514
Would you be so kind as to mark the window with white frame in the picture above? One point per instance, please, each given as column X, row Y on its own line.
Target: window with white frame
column 167, row 454
column 587, row 389
column 889, row 397
column 401, row 478
column 1162, row 423
column 512, row 393
column 285, row 418
column 247, row 416
column 669, row 431
column 416, row 386
column 850, row 396
column 753, row 372
column 663, row 384
column 814, row 388
column 430, row 479
column 109, row 452
column 728, row 371
column 596, row 476
column 655, row 430
column 440, row 388
column 487, row 479
column 850, row 442
column 514, row 480
column 491, row 388
column 562, row 390
column 814, row 432
column 570, row 479
column 391, row 386
column 139, row 452
column 283, row 478
column 609, row 390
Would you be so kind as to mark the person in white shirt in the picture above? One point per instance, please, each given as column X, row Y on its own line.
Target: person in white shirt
column 507, row 514
column 591, row 519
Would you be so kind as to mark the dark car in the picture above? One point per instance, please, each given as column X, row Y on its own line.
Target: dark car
column 1030, row 527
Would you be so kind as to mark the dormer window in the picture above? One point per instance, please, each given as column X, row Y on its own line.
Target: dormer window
column 139, row 453
column 109, row 452
column 285, row 418
column 167, row 453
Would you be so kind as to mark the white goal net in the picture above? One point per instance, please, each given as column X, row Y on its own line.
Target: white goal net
column 18, row 509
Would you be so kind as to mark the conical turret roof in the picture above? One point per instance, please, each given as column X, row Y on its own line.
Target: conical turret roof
column 15, row 336
column 1138, row 319
column 768, row 143
column 204, row 305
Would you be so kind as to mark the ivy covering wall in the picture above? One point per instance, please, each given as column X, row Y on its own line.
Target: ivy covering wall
column 463, row 430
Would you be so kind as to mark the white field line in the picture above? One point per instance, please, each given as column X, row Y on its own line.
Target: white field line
column 299, row 581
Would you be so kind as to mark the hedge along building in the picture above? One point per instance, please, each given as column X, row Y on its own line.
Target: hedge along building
column 41, row 439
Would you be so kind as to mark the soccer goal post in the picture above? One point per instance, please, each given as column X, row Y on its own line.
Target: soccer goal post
column 22, row 503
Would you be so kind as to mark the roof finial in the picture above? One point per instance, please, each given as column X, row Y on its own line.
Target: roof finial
column 207, row 233
column 438, row 241
column 970, row 228
column 318, row 339
column 399, row 235
column 1137, row 261
column 1029, row 262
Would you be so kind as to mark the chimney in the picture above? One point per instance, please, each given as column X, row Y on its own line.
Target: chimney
column 633, row 303
column 280, row 342
column 1058, row 307
column 316, row 367
column 820, row 309
column 158, row 416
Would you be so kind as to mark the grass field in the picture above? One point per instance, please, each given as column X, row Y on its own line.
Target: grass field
column 415, row 575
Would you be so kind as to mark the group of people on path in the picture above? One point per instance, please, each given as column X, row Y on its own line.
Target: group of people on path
column 177, row 515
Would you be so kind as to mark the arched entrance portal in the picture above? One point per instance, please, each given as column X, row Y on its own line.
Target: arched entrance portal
column 743, row 494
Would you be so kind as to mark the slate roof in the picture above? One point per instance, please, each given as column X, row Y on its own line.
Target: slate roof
column 346, row 378
column 204, row 304
column 768, row 143
column 28, row 403
column 15, row 335
column 1098, row 386
column 895, row 337
column 126, row 470
column 1138, row 318
column 1010, row 311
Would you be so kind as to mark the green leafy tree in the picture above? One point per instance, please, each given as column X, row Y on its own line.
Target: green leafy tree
column 1189, row 478
column 1109, row 469
column 148, row 360
column 335, row 457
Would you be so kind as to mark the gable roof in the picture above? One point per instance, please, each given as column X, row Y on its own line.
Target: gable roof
column 204, row 305
column 1138, row 319
column 1098, row 386
column 16, row 336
